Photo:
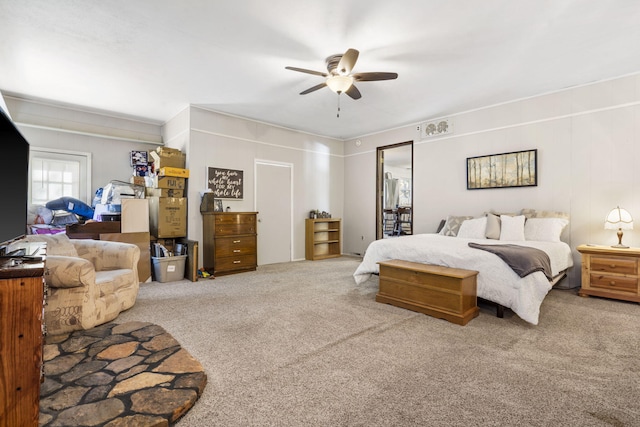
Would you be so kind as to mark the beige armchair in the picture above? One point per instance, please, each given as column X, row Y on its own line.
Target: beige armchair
column 90, row 281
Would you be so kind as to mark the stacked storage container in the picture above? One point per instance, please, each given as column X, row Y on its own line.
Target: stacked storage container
column 168, row 210
column 167, row 201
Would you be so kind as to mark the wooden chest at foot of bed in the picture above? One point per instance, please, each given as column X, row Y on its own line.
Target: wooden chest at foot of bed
column 442, row 292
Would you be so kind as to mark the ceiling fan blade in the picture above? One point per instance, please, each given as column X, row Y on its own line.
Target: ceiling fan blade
column 303, row 70
column 371, row 77
column 347, row 62
column 353, row 92
column 314, row 88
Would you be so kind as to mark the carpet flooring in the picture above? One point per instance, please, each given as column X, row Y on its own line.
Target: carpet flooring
column 301, row 344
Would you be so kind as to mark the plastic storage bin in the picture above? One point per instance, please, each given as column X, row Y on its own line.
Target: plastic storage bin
column 169, row 268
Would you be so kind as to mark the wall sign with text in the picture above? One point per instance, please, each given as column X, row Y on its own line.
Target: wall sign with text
column 225, row 183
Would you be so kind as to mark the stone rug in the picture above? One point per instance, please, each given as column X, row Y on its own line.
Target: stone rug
column 130, row 374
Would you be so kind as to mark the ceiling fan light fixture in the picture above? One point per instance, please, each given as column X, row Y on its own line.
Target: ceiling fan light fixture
column 339, row 77
column 339, row 84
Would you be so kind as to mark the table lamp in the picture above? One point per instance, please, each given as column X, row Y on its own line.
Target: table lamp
column 621, row 219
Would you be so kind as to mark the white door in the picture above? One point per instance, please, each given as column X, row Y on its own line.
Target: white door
column 274, row 201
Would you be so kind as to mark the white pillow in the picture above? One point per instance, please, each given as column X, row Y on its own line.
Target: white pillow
column 512, row 227
column 473, row 228
column 544, row 229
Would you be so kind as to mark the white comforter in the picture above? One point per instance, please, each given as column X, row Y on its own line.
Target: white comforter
column 496, row 281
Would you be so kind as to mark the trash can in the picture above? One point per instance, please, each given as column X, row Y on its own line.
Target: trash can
column 168, row 268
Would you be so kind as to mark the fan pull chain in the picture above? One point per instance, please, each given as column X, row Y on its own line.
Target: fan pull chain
column 338, row 115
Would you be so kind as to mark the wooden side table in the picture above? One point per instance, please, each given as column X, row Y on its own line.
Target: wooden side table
column 21, row 337
column 610, row 272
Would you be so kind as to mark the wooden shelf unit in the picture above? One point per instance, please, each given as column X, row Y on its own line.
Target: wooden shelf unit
column 323, row 238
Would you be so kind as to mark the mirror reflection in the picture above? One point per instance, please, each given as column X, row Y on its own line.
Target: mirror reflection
column 395, row 184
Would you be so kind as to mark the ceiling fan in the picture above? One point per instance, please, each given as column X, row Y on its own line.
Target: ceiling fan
column 339, row 77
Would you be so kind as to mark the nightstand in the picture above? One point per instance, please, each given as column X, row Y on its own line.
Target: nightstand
column 610, row 272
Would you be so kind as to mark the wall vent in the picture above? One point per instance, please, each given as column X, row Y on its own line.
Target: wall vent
column 437, row 128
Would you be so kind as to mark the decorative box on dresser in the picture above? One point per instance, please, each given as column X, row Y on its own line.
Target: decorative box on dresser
column 229, row 242
column 322, row 238
column 21, row 338
column 610, row 272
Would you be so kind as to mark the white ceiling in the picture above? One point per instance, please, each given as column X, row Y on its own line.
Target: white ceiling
column 152, row 58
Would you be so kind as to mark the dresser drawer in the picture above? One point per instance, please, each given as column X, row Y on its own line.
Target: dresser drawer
column 239, row 262
column 618, row 265
column 619, row 283
column 233, row 229
column 230, row 224
column 234, row 246
column 235, row 218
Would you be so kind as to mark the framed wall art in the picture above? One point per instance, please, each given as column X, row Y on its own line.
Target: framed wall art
column 139, row 158
column 515, row 169
column 225, row 183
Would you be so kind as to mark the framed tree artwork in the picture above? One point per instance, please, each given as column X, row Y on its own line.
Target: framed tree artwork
column 515, row 169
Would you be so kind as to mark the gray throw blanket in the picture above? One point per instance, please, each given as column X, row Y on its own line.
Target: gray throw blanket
column 522, row 259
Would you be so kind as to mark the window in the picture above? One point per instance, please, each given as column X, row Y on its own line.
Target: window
column 57, row 173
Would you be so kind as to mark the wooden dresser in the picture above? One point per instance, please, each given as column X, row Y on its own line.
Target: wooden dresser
column 21, row 339
column 610, row 272
column 229, row 242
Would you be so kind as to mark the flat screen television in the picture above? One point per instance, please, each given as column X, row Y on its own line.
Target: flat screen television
column 14, row 176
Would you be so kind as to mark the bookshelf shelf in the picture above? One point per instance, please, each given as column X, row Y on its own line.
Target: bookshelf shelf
column 323, row 238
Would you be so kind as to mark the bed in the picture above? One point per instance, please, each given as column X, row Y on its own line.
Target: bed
column 496, row 281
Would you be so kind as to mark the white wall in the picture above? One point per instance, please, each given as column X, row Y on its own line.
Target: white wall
column 207, row 138
column 218, row 140
column 109, row 137
column 587, row 140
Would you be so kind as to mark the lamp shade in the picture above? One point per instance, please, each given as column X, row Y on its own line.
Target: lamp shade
column 618, row 218
column 339, row 84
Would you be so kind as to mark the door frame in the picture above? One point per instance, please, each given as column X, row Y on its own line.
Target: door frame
column 380, row 185
column 265, row 162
